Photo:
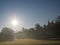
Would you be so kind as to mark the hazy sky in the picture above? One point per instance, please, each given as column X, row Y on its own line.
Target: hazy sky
column 28, row 12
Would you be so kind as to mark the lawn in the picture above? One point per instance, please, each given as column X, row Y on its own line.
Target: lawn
column 30, row 42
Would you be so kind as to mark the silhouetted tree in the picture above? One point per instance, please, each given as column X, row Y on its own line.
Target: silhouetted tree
column 31, row 29
column 57, row 20
column 49, row 31
column 57, row 27
column 39, row 31
column 7, row 34
column 44, row 27
column 38, row 27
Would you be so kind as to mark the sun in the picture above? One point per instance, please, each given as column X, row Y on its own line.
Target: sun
column 14, row 22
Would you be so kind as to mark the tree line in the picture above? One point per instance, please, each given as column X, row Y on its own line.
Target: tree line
column 49, row 31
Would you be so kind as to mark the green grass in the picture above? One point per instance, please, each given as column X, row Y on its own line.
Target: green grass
column 29, row 42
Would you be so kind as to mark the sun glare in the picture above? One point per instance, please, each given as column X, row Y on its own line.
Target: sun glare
column 14, row 22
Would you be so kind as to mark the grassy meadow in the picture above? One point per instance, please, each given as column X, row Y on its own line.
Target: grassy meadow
column 30, row 42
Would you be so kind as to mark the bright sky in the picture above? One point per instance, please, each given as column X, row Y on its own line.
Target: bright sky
column 28, row 12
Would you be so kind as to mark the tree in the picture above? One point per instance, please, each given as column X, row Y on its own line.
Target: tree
column 7, row 34
column 38, row 31
column 31, row 30
column 45, row 27
column 57, row 20
column 57, row 26
column 24, row 30
column 38, row 27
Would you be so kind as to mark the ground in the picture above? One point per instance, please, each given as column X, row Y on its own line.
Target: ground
column 30, row 42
